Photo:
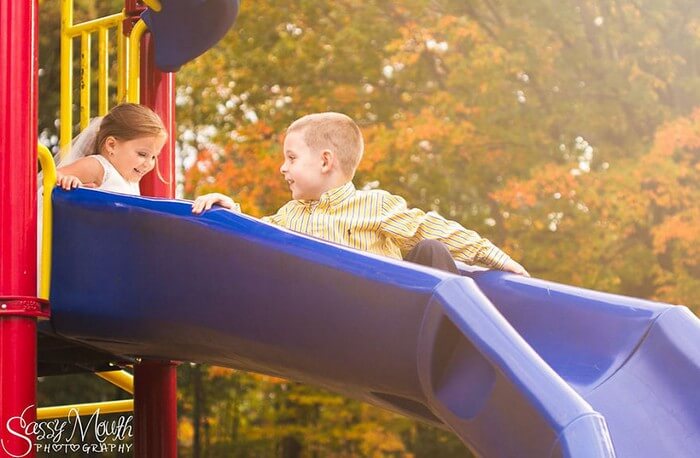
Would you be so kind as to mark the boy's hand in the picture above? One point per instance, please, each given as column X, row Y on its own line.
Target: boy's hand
column 512, row 266
column 206, row 201
column 68, row 182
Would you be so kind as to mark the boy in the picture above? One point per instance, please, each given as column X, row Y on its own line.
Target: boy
column 321, row 153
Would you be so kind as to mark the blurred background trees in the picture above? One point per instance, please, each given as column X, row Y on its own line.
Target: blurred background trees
column 567, row 132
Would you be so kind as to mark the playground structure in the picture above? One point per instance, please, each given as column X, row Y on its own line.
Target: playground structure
column 513, row 366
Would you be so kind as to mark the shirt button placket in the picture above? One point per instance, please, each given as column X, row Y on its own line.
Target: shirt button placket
column 314, row 222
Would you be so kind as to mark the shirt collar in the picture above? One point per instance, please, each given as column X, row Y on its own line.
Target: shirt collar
column 334, row 196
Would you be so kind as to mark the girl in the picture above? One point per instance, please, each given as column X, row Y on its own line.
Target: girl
column 114, row 152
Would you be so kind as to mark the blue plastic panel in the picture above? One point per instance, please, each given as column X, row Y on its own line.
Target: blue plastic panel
column 636, row 362
column 185, row 29
column 143, row 277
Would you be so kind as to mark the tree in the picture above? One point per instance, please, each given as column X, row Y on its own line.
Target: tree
column 564, row 131
column 528, row 122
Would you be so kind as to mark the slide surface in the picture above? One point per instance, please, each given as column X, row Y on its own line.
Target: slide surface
column 513, row 366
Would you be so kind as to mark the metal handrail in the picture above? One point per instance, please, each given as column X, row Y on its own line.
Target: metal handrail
column 133, row 85
column 47, row 413
column 107, row 22
column 48, row 167
column 153, row 4
column 122, row 379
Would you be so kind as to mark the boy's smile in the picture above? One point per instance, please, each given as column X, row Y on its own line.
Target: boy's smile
column 303, row 168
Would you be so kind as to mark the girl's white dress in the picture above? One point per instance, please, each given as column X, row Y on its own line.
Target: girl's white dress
column 113, row 181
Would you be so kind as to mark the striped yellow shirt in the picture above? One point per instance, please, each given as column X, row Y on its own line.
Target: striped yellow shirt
column 382, row 223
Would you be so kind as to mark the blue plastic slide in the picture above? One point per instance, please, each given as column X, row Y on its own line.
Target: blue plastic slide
column 515, row 367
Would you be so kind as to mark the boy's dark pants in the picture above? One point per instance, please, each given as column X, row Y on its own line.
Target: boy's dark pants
column 432, row 253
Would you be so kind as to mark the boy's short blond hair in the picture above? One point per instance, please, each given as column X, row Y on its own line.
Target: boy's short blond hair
column 333, row 131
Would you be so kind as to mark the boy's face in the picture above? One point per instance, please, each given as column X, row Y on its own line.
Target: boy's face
column 303, row 169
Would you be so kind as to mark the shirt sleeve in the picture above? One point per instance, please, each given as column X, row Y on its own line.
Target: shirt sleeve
column 408, row 226
column 279, row 218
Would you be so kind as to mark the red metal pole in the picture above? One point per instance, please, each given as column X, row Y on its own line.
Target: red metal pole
column 155, row 382
column 158, row 92
column 155, row 409
column 19, row 307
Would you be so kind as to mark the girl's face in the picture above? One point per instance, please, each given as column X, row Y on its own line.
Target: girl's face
column 134, row 158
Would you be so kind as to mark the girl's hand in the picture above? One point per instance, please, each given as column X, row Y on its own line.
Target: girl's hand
column 206, row 201
column 67, row 182
column 512, row 266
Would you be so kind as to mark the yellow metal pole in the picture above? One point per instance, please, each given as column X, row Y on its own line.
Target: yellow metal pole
column 85, row 61
column 133, row 94
column 154, row 5
column 103, row 72
column 122, row 63
column 66, row 116
column 122, row 379
column 48, row 168
column 95, row 24
column 46, row 413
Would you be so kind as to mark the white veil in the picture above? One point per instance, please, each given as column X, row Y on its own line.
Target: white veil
column 83, row 144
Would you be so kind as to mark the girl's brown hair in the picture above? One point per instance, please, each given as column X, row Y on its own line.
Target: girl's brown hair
column 128, row 121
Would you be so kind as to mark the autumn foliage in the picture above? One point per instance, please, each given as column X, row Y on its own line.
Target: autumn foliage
column 566, row 132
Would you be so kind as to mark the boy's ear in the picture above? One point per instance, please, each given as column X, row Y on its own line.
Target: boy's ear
column 327, row 160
